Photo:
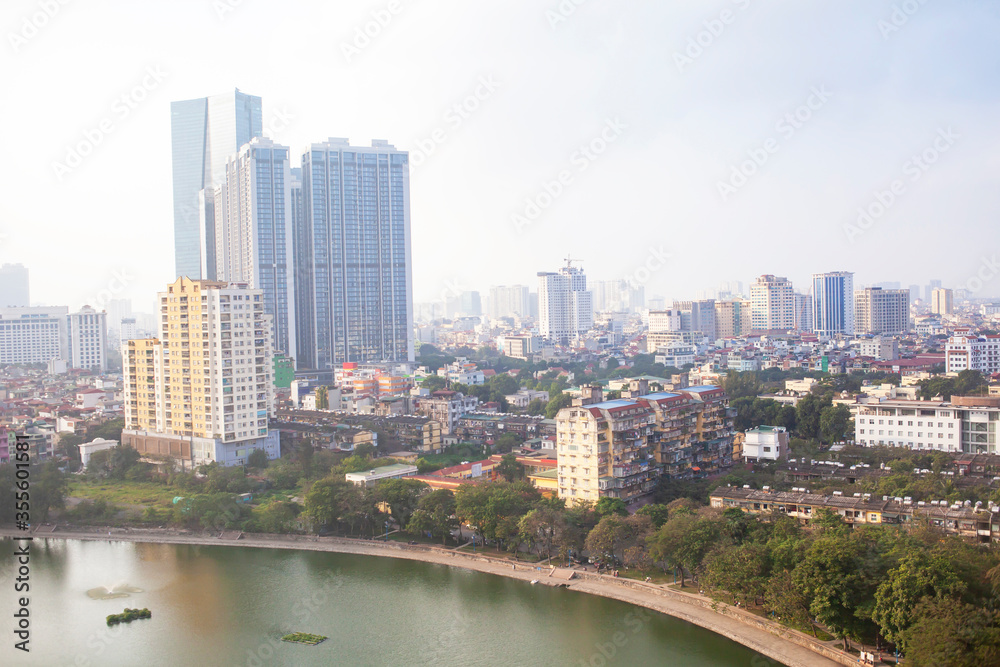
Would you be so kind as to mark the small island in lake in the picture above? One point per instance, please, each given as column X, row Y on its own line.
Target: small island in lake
column 128, row 616
column 304, row 638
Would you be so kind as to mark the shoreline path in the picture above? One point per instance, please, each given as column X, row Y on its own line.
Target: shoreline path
column 787, row 646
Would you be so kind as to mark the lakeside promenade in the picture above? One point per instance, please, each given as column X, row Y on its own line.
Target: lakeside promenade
column 787, row 646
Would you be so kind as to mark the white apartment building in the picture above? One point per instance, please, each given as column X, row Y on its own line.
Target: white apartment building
column 675, row 354
column 204, row 390
column 911, row 424
column 88, row 330
column 881, row 311
column 565, row 308
column 772, row 303
column 33, row 335
column 765, row 443
column 978, row 353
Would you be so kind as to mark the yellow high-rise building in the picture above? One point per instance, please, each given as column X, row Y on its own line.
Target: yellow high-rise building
column 203, row 391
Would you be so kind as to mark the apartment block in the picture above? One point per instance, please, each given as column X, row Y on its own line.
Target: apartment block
column 942, row 301
column 619, row 448
column 977, row 353
column 733, row 318
column 964, row 424
column 565, row 308
column 88, row 342
column 772, row 302
column 881, row 311
column 204, row 390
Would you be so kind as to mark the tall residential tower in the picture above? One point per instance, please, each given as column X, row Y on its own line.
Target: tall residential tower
column 353, row 268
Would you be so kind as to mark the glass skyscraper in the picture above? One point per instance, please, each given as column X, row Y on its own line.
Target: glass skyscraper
column 253, row 231
column 353, row 271
column 205, row 132
column 833, row 303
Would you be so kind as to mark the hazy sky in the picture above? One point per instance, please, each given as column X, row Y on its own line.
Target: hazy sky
column 824, row 104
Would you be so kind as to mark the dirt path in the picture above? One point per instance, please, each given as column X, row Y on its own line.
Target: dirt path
column 770, row 639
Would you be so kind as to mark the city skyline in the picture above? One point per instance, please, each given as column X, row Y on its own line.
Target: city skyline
column 580, row 140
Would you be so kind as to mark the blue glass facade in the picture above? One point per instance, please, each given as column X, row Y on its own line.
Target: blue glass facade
column 205, row 132
column 354, row 262
column 833, row 303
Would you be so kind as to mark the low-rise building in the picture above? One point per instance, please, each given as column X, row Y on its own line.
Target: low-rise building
column 765, row 443
column 372, row 477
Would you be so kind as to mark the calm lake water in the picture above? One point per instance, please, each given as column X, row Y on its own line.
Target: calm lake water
column 231, row 605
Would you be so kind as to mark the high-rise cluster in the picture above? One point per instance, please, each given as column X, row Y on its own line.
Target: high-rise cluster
column 328, row 243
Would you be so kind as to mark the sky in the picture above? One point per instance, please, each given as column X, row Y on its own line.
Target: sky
column 678, row 145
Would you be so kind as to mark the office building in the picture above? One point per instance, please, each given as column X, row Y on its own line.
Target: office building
column 253, row 231
column 565, row 308
column 772, row 301
column 88, row 342
column 205, row 132
column 942, row 301
column 355, row 270
column 513, row 301
column 963, row 424
column 833, row 303
column 33, row 335
column 203, row 391
column 14, row 292
column 881, row 311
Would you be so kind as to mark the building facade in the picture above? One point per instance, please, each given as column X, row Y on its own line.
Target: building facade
column 253, row 230
column 964, row 424
column 355, row 267
column 803, row 313
column 204, row 390
column 833, row 303
column 620, row 448
column 33, row 335
column 772, row 302
column 88, row 331
column 881, row 311
column 565, row 308
column 204, row 133
column 977, row 353
column 942, row 301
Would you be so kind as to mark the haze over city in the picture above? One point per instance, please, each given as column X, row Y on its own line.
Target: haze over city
column 498, row 105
